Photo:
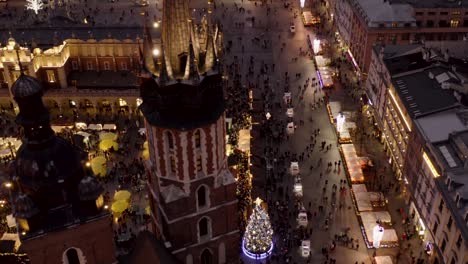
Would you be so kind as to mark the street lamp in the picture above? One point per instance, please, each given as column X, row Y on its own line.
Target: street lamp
column 9, row 185
column 268, row 115
column 156, row 52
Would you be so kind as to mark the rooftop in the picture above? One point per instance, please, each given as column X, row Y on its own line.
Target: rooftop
column 438, row 126
column 104, row 79
column 121, row 19
column 384, row 11
column 434, row 3
column 421, row 91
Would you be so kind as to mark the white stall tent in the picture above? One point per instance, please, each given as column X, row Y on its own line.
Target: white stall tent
column 109, row 127
column 294, row 168
column 290, row 128
column 95, row 127
column 81, row 125
column 290, row 112
column 298, row 187
column 305, row 248
column 383, row 260
column 302, row 218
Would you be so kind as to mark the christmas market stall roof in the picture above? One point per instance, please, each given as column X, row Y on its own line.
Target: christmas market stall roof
column 148, row 249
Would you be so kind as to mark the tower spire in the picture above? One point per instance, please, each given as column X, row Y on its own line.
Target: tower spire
column 176, row 30
column 163, row 72
column 191, row 71
column 210, row 58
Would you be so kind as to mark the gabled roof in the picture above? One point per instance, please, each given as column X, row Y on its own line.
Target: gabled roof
column 149, row 249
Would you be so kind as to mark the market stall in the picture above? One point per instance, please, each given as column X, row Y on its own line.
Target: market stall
column 383, row 260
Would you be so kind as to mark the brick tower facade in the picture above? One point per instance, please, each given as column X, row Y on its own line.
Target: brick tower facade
column 194, row 204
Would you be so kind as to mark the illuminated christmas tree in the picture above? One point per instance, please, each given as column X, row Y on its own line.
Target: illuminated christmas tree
column 258, row 237
column 34, row 5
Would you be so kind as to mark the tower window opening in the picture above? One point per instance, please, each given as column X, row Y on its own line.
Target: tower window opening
column 170, row 140
column 197, row 139
column 201, row 195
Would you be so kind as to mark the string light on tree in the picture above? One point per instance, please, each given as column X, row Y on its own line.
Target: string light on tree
column 258, row 237
column 34, row 5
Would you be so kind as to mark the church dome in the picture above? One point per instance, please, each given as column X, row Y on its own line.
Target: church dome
column 89, row 189
column 46, row 166
column 26, row 86
column 24, row 207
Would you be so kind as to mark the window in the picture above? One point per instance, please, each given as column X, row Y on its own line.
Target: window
column 465, row 23
column 443, row 13
column 456, row 13
column 203, row 228
column 394, row 24
column 441, row 205
column 50, row 76
column 201, row 196
column 123, row 66
column 454, row 23
column 89, row 66
column 72, row 256
column 206, row 257
column 199, row 164
column 434, row 229
column 431, row 13
column 419, row 13
column 197, row 139
column 170, row 140
column 405, row 36
column 106, row 65
column 430, row 23
column 449, row 223
column 459, row 241
column 15, row 75
column 75, row 65
column 407, row 24
column 443, row 23
column 444, row 244
column 172, row 164
column 466, row 218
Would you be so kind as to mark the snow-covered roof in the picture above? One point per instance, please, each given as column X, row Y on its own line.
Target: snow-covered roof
column 172, row 193
column 438, row 126
column 384, row 11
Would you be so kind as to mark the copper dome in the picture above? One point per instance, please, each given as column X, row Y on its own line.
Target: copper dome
column 25, row 86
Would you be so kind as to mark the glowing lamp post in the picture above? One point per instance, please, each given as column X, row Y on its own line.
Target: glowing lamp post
column 302, row 3
column 377, row 235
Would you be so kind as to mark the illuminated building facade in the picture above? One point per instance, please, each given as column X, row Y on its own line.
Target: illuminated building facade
column 99, row 72
column 418, row 96
column 363, row 23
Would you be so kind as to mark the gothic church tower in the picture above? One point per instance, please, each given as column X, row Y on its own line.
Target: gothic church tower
column 193, row 199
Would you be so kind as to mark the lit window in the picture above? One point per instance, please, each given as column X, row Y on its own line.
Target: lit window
column 172, row 164
column 106, row 65
column 51, row 76
column 199, row 164
column 197, row 139
column 454, row 23
column 170, row 140
column 75, row 65
column 89, row 66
